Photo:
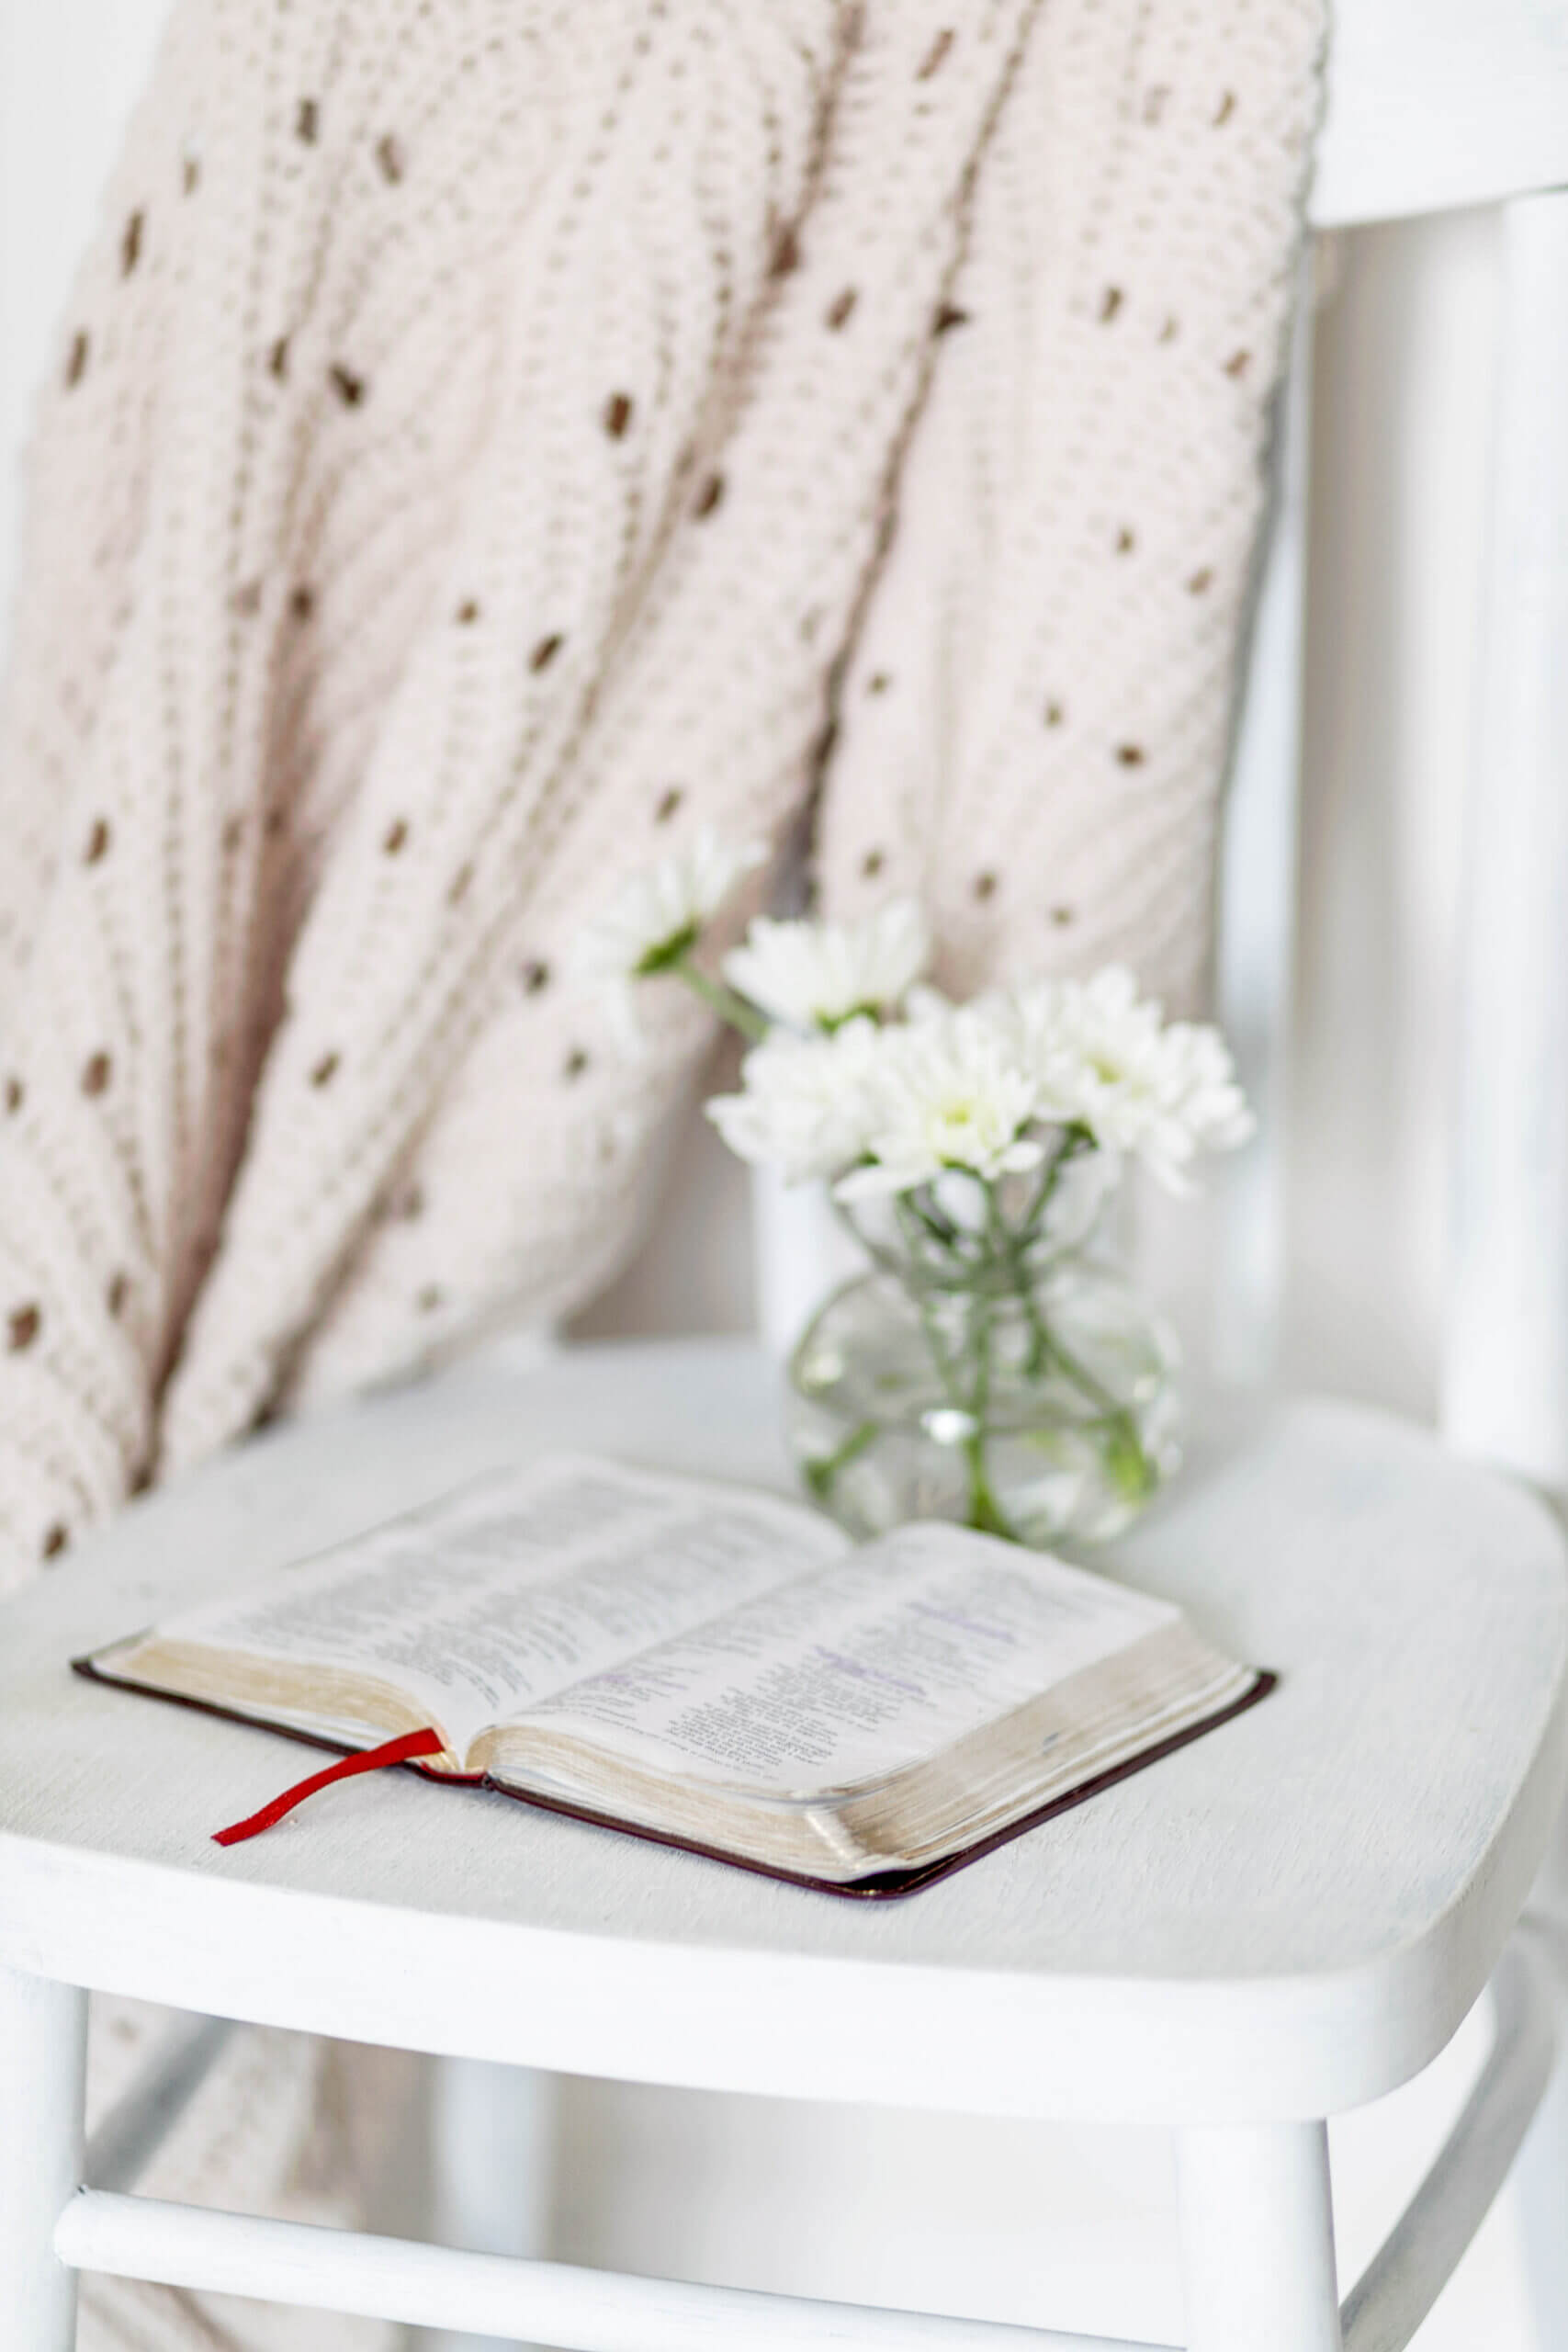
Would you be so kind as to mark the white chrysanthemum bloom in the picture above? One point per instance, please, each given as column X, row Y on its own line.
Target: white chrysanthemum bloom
column 806, row 1103
column 1137, row 1086
column 819, row 975
column 1201, row 1083
column 925, row 1002
column 659, row 916
column 1035, row 1017
column 948, row 1092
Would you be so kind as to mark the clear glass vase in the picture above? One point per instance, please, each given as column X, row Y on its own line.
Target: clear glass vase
column 1024, row 1389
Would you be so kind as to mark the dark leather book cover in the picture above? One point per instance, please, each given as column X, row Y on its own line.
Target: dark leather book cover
column 876, row 1886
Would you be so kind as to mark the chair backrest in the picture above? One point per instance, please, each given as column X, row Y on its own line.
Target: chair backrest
column 1431, row 105
column 1435, row 103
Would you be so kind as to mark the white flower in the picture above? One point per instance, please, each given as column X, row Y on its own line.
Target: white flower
column 1035, row 1018
column 947, row 1092
column 819, row 975
column 804, row 1104
column 1105, row 1058
column 659, row 915
column 925, row 1002
column 969, row 1092
column 1202, row 1080
column 661, row 911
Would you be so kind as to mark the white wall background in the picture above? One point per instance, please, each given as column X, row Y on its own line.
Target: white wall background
column 1013, row 2220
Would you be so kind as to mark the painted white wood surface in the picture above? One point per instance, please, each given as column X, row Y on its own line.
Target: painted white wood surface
column 1506, row 1361
column 580, row 2311
column 1538, row 2183
column 1255, row 950
column 1257, row 2239
column 1436, row 103
column 1286, row 1918
column 494, row 2139
column 43, row 2051
column 1400, row 2286
column 1257, row 2215
column 1258, row 2230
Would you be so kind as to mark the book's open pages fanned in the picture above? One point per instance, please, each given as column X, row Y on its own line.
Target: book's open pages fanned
column 711, row 1667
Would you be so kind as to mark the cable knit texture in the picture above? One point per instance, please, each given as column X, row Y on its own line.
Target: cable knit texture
column 488, row 440
column 471, row 461
column 280, row 2123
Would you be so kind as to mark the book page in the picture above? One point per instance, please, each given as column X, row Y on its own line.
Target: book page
column 518, row 1586
column 842, row 1677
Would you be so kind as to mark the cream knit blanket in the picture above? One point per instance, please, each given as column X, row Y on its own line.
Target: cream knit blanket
column 473, row 446
column 489, row 439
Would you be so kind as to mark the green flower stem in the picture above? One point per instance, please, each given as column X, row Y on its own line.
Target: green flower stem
column 1015, row 1248
column 1076, row 1141
column 724, row 1002
column 904, row 1209
column 1081, row 1377
column 1039, row 1334
column 822, row 1476
column 942, row 1230
column 984, row 1510
column 1125, row 1458
column 984, row 1513
column 976, row 1270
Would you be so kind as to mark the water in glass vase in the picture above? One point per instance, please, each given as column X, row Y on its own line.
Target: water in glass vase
column 1035, row 1400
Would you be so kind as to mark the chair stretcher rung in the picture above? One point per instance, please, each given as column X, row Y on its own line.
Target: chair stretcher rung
column 545, row 2303
column 593, row 2310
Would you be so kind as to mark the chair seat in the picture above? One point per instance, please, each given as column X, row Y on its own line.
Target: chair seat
column 1285, row 1919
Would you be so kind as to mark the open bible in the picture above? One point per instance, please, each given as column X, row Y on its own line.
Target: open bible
column 710, row 1666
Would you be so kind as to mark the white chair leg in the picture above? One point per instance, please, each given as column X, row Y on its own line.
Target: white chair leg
column 494, row 2135
column 43, row 2058
column 1258, row 2238
column 1541, row 2204
column 1540, row 2183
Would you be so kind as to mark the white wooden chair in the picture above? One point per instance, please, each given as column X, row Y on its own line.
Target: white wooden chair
column 1282, row 1922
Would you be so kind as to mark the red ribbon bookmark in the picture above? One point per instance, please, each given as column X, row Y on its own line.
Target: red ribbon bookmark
column 391, row 1751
